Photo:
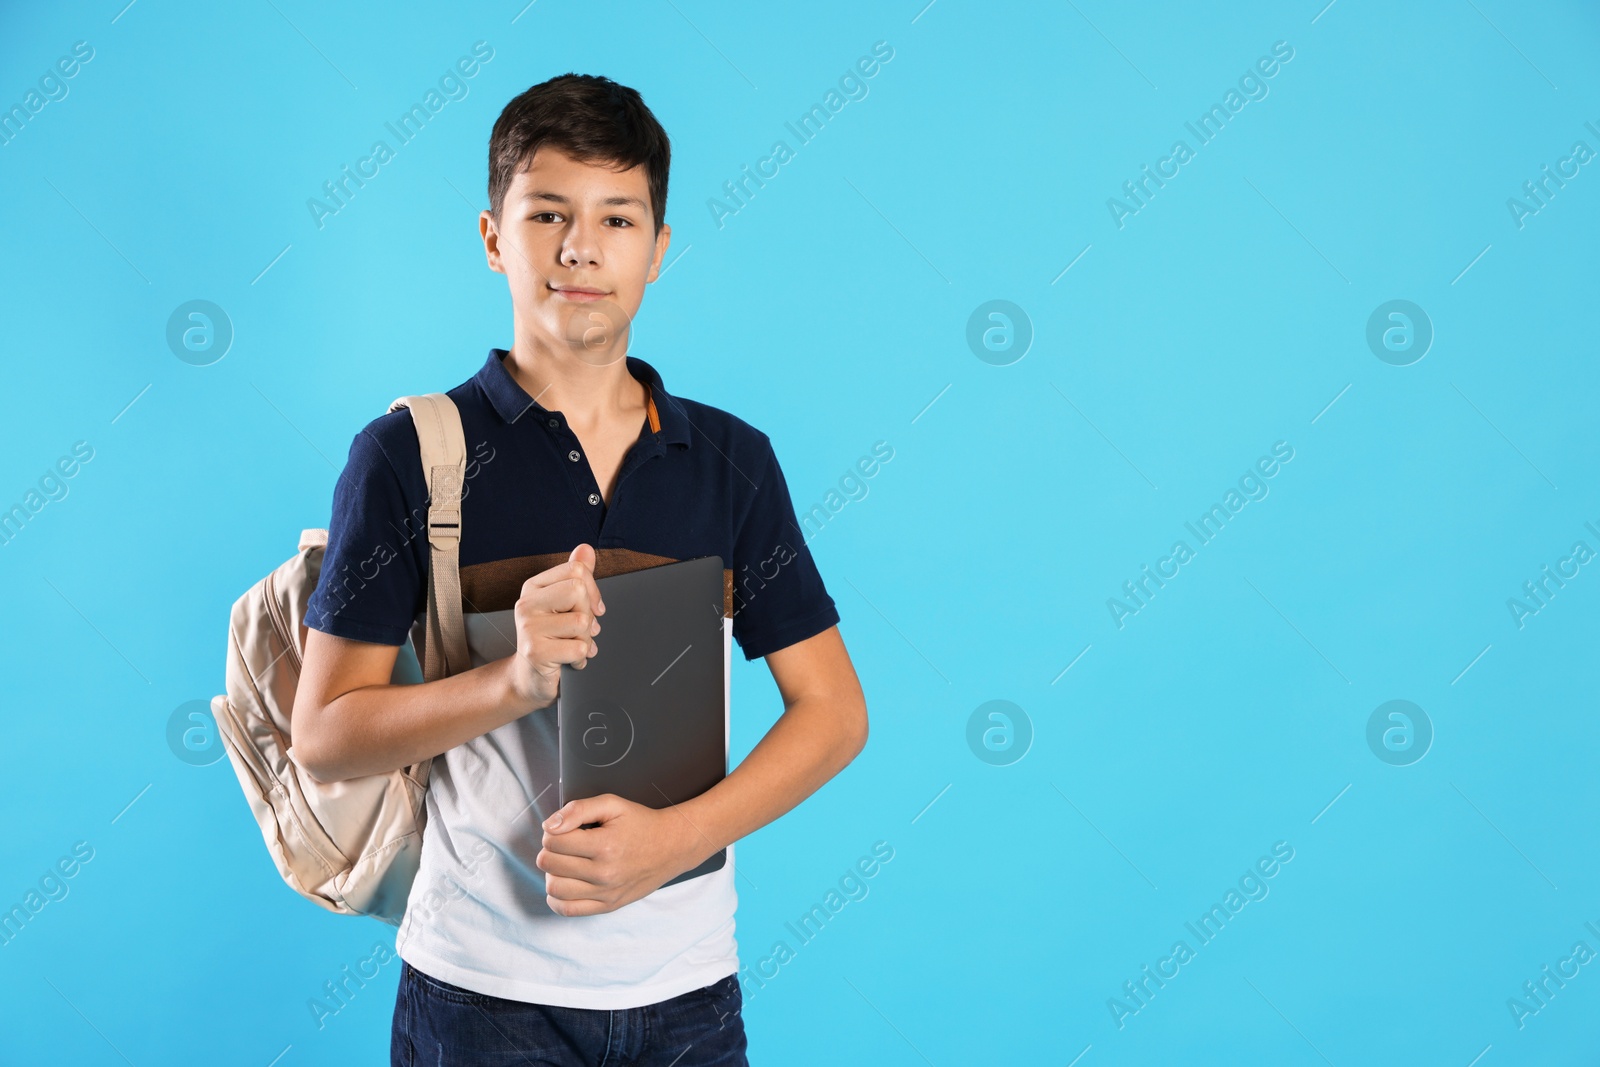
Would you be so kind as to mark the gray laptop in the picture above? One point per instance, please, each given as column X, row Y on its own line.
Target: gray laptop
column 645, row 718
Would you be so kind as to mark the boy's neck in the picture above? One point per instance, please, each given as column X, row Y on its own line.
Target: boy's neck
column 589, row 394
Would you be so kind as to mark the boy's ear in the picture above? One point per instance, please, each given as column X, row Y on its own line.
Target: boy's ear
column 491, row 241
column 663, row 239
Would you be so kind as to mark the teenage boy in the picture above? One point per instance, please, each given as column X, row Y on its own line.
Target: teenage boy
column 527, row 937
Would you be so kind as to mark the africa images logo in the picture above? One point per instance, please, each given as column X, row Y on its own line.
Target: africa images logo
column 1210, row 123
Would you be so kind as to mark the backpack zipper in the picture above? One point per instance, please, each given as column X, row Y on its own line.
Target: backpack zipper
column 269, row 589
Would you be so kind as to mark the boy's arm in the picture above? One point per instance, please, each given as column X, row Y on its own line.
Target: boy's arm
column 348, row 720
column 823, row 728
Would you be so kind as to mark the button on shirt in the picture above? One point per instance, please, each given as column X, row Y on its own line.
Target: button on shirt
column 698, row 481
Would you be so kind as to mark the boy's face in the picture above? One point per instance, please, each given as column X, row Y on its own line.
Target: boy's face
column 566, row 227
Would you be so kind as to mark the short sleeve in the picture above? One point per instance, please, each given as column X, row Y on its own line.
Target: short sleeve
column 778, row 595
column 371, row 585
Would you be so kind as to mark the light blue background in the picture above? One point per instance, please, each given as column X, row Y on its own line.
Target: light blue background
column 831, row 312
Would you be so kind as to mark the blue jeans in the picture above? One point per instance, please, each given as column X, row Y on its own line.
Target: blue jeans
column 437, row 1024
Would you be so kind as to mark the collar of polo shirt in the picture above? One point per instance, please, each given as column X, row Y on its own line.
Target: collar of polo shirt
column 511, row 401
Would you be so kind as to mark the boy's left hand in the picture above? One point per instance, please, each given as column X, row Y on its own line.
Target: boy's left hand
column 630, row 855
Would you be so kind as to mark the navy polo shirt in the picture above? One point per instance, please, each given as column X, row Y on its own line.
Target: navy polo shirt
column 698, row 481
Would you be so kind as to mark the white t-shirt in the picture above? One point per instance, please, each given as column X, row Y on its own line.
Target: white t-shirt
column 477, row 915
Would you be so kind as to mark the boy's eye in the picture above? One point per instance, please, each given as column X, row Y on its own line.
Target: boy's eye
column 544, row 216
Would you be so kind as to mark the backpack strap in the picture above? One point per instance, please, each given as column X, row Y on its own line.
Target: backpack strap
column 444, row 460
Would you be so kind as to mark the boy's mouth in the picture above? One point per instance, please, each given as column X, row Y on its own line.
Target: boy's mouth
column 578, row 293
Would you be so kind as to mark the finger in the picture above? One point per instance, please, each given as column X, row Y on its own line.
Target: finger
column 585, row 553
column 572, row 570
column 571, row 621
column 577, row 905
column 577, row 846
column 585, row 907
column 575, row 813
column 576, row 595
column 562, row 588
column 551, row 575
column 542, row 632
column 559, row 866
column 571, row 896
column 576, row 651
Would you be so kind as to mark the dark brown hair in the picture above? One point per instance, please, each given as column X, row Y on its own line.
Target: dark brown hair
column 589, row 117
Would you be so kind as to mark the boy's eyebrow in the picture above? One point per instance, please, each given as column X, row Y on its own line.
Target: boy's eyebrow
column 610, row 201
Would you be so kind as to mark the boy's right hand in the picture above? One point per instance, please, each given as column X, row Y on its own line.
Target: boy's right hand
column 556, row 624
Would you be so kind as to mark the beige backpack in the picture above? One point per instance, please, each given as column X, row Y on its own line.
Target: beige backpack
column 351, row 846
